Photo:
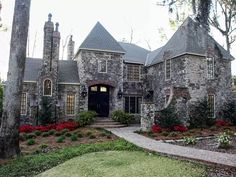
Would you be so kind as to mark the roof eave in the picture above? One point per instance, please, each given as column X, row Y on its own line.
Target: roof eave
column 100, row 50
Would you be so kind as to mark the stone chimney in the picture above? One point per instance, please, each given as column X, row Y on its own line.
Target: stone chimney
column 55, row 48
column 70, row 49
column 47, row 45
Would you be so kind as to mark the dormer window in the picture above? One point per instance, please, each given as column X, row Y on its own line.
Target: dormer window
column 47, row 87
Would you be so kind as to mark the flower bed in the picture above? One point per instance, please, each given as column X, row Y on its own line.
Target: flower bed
column 70, row 125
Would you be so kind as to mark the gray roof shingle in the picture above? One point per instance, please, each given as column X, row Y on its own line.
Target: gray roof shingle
column 134, row 53
column 100, row 39
column 67, row 70
column 189, row 39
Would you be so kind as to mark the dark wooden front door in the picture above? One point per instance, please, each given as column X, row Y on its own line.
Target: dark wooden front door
column 98, row 100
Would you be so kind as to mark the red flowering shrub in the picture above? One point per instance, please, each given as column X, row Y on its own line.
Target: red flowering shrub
column 156, row 128
column 220, row 123
column 70, row 125
column 180, row 128
column 26, row 129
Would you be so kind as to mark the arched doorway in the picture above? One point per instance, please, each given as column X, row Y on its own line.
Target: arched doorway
column 98, row 99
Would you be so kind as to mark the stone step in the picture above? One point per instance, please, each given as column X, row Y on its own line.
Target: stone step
column 106, row 123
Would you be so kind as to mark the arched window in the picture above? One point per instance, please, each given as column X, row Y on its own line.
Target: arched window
column 47, row 87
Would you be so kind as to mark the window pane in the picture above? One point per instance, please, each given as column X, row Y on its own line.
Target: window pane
column 211, row 105
column 210, row 68
column 47, row 88
column 133, row 72
column 132, row 104
column 23, row 104
column 139, row 101
column 70, row 104
column 103, row 89
column 102, row 66
column 127, row 104
column 167, row 69
column 94, row 89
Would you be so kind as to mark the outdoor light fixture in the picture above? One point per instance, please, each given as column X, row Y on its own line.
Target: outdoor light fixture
column 120, row 94
column 84, row 91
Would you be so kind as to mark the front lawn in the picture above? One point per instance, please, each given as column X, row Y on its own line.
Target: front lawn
column 124, row 163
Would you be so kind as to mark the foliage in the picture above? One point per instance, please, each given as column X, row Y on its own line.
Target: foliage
column 122, row 117
column 30, row 142
column 68, row 134
column 189, row 140
column 156, row 129
column 198, row 116
column 224, row 140
column 43, row 146
column 45, row 134
column 92, row 137
column 30, row 136
column 1, row 98
column 229, row 112
column 220, row 123
column 60, row 139
column 86, row 117
column 180, row 128
column 52, row 132
column 74, row 137
column 46, row 111
column 31, row 165
column 37, row 133
column 167, row 118
column 69, row 125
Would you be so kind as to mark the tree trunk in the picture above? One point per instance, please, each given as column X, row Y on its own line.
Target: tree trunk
column 9, row 134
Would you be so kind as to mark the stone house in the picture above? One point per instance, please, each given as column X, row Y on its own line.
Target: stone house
column 105, row 75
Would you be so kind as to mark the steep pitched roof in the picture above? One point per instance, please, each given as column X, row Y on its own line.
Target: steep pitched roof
column 134, row 53
column 100, row 39
column 67, row 70
column 190, row 38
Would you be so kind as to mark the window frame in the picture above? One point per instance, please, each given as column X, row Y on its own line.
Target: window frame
column 131, row 79
column 214, row 105
column 51, row 87
column 210, row 76
column 136, row 98
column 99, row 65
column 68, row 114
column 26, row 96
column 167, row 79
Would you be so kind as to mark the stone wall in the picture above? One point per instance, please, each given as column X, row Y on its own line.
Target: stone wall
column 89, row 75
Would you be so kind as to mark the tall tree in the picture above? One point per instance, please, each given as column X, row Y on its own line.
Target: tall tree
column 227, row 26
column 9, row 133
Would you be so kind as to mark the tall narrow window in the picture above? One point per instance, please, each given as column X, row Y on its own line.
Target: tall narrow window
column 210, row 68
column 47, row 88
column 167, row 69
column 211, row 105
column 102, row 66
column 133, row 105
column 133, row 72
column 23, row 104
column 70, row 104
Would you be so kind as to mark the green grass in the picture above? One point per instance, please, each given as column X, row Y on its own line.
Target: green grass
column 31, row 165
column 124, row 164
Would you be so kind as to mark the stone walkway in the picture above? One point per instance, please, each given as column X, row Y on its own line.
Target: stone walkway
column 169, row 149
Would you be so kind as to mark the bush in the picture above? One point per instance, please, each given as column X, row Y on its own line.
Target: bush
column 89, row 133
column 37, row 133
column 58, row 134
column 221, row 123
column 60, row 139
column 180, row 128
column 86, row 117
column 64, row 131
column 30, row 136
column 156, row 129
column 229, row 112
column 167, row 118
column 30, row 142
column 80, row 135
column 199, row 115
column 92, row 137
column 45, row 134
column 224, row 140
column 52, row 132
column 43, row 146
column 68, row 134
column 189, row 140
column 74, row 137
column 122, row 117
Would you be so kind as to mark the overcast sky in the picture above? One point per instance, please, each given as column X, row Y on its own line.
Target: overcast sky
column 77, row 17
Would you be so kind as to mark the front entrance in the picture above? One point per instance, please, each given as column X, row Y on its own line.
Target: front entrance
column 98, row 100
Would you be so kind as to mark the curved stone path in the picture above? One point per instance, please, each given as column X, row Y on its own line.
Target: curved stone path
column 169, row 149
